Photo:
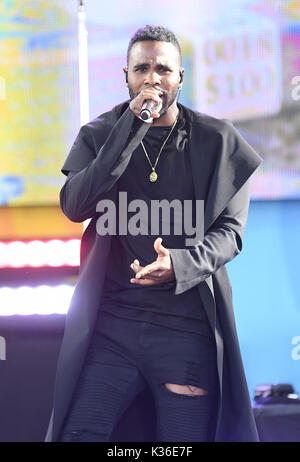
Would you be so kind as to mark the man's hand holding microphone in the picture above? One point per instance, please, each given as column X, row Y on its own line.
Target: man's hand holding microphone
column 147, row 104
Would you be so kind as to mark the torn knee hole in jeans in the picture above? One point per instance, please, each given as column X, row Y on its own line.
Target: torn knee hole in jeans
column 189, row 390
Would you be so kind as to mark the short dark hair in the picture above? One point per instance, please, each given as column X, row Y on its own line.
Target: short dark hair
column 154, row 33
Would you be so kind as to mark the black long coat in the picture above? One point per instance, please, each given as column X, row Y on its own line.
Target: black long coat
column 222, row 163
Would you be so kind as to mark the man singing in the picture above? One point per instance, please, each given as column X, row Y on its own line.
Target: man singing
column 151, row 315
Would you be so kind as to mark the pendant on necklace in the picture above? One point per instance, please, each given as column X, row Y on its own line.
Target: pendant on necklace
column 153, row 176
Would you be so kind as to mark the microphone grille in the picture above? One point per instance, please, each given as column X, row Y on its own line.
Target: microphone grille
column 145, row 114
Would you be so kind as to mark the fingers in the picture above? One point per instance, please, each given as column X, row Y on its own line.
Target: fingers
column 147, row 93
column 143, row 282
column 154, row 277
column 157, row 244
column 160, row 249
column 157, row 272
column 136, row 266
column 152, row 274
column 153, row 270
column 156, row 113
column 141, row 271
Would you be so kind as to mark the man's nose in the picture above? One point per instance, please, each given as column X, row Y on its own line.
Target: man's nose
column 152, row 78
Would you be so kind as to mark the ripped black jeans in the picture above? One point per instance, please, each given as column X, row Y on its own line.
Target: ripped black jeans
column 125, row 356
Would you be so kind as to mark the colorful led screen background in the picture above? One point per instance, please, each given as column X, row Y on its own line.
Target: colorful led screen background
column 241, row 60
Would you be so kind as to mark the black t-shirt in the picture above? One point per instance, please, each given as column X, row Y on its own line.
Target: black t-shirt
column 157, row 303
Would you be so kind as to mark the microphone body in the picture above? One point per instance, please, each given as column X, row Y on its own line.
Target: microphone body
column 147, row 109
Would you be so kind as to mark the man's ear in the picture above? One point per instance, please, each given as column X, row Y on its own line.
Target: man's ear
column 181, row 74
column 125, row 69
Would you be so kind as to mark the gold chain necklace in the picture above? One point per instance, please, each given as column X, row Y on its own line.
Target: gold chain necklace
column 153, row 175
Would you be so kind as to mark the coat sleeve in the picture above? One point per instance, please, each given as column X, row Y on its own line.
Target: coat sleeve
column 92, row 174
column 221, row 243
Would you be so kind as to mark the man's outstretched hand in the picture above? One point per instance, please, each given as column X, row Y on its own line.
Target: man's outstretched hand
column 157, row 272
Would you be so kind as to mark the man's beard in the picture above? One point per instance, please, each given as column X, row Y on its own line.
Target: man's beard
column 167, row 99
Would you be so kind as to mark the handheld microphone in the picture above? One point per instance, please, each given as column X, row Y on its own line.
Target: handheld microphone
column 147, row 109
